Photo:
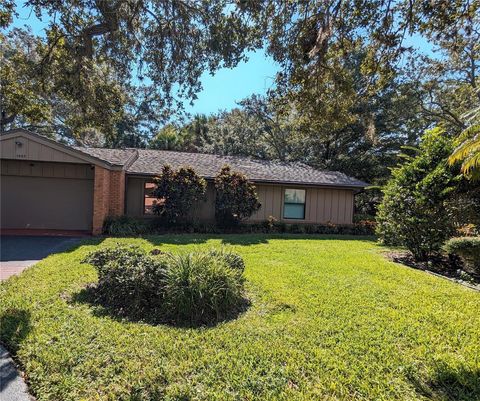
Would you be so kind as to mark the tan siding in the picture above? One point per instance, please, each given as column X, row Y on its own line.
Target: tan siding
column 277, row 205
column 134, row 197
column 205, row 210
column 32, row 150
column 323, row 205
column 44, row 169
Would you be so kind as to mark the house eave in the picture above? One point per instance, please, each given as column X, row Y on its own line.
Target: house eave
column 268, row 182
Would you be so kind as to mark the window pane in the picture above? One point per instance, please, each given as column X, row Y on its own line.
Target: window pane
column 294, row 211
column 295, row 196
column 150, row 201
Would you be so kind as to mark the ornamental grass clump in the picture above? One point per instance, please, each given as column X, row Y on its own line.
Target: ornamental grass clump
column 197, row 288
column 201, row 288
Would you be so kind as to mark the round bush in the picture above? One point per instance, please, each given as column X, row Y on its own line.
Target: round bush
column 129, row 280
column 192, row 289
column 468, row 249
column 201, row 288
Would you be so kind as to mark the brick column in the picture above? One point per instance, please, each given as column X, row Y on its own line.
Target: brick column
column 101, row 198
column 108, row 196
column 117, row 193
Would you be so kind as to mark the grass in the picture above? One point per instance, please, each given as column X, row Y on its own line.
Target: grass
column 330, row 319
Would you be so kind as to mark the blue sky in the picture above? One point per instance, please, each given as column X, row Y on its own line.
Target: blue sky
column 228, row 86
column 220, row 92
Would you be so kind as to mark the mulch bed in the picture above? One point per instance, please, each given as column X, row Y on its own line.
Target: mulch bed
column 444, row 266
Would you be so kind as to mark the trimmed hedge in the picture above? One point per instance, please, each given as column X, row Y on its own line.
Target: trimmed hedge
column 129, row 226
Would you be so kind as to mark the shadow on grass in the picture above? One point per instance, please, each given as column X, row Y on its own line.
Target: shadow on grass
column 246, row 239
column 14, row 328
column 89, row 296
column 448, row 384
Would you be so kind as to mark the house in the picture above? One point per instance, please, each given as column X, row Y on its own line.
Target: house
column 47, row 185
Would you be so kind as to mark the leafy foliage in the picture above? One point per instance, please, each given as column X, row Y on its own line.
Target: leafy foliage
column 468, row 248
column 413, row 212
column 128, row 280
column 201, row 288
column 154, row 50
column 125, row 226
column 235, row 197
column 177, row 191
column 194, row 288
column 468, row 149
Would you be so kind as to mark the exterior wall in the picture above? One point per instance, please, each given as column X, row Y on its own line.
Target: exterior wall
column 203, row 211
column 39, row 195
column 322, row 205
column 22, row 148
column 134, row 196
column 44, row 169
column 108, row 196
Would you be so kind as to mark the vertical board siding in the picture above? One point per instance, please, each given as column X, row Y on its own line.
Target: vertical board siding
column 32, row 150
column 323, row 205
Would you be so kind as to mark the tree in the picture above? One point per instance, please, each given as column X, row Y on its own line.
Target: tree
column 177, row 192
column 41, row 95
column 414, row 212
column 167, row 138
column 235, row 197
column 468, row 149
column 159, row 46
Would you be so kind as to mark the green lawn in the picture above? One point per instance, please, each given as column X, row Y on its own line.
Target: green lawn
column 330, row 319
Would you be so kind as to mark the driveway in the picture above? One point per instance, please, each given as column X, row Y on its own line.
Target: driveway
column 19, row 252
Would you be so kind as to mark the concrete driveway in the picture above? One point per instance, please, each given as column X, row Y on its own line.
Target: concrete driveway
column 19, row 252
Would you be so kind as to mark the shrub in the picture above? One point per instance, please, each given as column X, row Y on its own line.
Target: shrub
column 201, row 288
column 125, row 226
column 232, row 259
column 235, row 199
column 129, row 280
column 178, row 191
column 413, row 212
column 271, row 225
column 195, row 288
column 121, row 254
column 468, row 249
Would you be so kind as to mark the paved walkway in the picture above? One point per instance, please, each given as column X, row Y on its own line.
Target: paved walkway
column 12, row 386
column 19, row 252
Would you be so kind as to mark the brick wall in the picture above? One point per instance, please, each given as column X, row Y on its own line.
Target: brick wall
column 117, row 193
column 108, row 196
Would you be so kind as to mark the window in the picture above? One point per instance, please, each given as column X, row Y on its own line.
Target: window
column 294, row 204
column 149, row 200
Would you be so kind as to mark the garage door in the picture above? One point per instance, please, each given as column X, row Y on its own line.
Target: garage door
column 42, row 195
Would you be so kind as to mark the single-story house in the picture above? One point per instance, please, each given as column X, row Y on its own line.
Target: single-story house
column 47, row 185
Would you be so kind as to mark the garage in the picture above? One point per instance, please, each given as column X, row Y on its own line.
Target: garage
column 51, row 188
column 44, row 195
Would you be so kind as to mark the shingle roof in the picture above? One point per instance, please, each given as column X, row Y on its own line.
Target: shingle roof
column 150, row 162
column 118, row 157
